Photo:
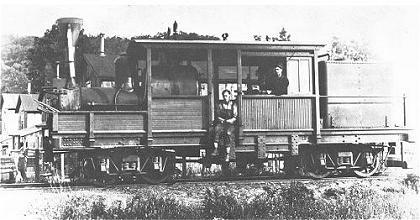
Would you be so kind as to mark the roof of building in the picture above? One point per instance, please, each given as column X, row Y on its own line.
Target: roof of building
column 103, row 66
column 9, row 100
column 27, row 103
column 26, row 131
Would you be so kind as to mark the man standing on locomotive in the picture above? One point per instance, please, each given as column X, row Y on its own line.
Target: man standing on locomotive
column 226, row 113
column 278, row 83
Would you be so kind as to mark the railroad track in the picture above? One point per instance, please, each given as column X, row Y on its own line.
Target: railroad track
column 215, row 180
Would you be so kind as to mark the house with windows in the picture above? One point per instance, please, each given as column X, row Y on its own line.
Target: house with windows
column 9, row 121
column 21, row 122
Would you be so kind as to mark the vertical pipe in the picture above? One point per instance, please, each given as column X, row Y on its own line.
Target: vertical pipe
column 404, row 110
column 57, row 69
column 62, row 166
column 91, row 128
column 29, row 87
column 317, row 123
column 102, row 45
column 71, row 55
column 210, row 86
column 149, row 95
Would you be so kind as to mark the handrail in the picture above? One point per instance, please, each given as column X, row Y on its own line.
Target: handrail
column 180, row 97
column 100, row 112
column 355, row 96
column 276, row 97
column 321, row 96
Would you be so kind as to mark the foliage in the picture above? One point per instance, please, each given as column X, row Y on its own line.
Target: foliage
column 348, row 51
column 46, row 50
column 283, row 36
column 15, row 64
column 412, row 181
column 43, row 55
column 219, row 203
column 177, row 36
column 291, row 201
column 157, row 207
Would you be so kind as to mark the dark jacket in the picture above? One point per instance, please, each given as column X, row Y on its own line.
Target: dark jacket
column 279, row 85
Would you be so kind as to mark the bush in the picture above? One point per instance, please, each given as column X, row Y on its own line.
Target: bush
column 295, row 201
column 412, row 182
column 292, row 201
column 220, row 203
column 156, row 207
column 81, row 206
column 360, row 202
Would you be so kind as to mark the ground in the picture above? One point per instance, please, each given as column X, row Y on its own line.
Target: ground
column 17, row 203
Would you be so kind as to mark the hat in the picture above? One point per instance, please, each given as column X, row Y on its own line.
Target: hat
column 279, row 65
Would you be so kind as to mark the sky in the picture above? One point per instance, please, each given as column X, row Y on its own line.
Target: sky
column 388, row 29
column 391, row 29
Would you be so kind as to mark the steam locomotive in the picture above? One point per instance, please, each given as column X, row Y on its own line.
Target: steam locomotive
column 160, row 112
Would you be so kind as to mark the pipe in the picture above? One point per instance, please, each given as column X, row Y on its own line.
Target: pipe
column 57, row 69
column 102, row 48
column 71, row 50
column 325, row 55
column 29, row 88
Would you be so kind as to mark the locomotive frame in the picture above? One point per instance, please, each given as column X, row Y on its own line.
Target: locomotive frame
column 146, row 140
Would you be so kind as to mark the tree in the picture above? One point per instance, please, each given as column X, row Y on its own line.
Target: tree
column 42, row 54
column 177, row 35
column 348, row 51
column 283, row 36
column 15, row 64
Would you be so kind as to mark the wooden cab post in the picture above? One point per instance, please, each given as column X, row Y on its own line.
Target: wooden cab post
column 317, row 124
column 210, row 84
column 239, row 97
column 149, row 95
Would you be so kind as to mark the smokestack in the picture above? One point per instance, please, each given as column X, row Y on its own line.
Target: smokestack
column 58, row 69
column 71, row 26
column 71, row 55
column 102, row 49
column 29, row 87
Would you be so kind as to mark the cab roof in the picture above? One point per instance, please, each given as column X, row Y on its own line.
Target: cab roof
column 141, row 44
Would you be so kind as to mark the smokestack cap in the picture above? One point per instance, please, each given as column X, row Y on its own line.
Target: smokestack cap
column 70, row 21
column 74, row 23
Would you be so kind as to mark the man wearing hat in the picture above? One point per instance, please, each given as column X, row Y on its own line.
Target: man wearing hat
column 279, row 82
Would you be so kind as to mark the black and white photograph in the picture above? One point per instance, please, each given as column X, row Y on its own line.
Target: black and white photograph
column 209, row 110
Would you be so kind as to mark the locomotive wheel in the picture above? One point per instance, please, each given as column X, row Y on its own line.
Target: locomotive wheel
column 313, row 167
column 158, row 166
column 368, row 170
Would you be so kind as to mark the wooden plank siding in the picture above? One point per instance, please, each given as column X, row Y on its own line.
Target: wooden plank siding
column 72, row 122
column 127, row 121
column 99, row 128
column 102, row 121
column 179, row 113
column 277, row 113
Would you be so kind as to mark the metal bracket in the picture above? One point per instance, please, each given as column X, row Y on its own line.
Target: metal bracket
column 261, row 147
column 294, row 144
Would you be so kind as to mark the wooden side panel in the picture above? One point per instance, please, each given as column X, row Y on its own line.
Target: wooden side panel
column 121, row 121
column 360, row 79
column 364, row 113
column 72, row 122
column 277, row 113
column 179, row 113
